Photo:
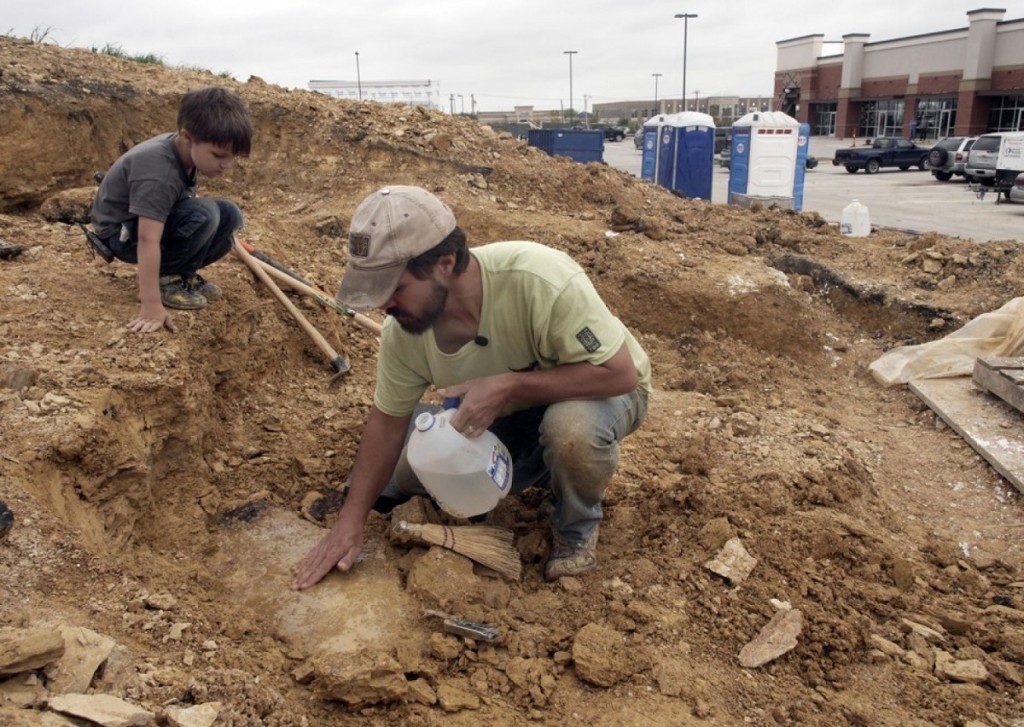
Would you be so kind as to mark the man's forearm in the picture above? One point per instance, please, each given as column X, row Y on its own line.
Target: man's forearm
column 379, row 450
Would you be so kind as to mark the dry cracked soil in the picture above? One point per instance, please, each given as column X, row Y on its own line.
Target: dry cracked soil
column 164, row 486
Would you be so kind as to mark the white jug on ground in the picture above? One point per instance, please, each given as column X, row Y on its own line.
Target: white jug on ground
column 855, row 220
column 466, row 476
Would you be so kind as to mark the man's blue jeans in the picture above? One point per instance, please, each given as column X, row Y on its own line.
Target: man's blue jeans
column 570, row 448
column 197, row 233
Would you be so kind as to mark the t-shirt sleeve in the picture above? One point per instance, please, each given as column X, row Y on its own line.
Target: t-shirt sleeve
column 580, row 327
column 152, row 198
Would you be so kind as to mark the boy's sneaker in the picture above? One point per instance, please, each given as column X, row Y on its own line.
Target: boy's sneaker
column 176, row 293
column 204, row 287
column 571, row 558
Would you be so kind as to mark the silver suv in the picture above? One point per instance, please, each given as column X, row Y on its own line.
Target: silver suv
column 981, row 160
column 949, row 156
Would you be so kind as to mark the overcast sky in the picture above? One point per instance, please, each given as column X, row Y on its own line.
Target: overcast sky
column 498, row 54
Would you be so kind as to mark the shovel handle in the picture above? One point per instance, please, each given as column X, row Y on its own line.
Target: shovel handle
column 338, row 363
column 294, row 280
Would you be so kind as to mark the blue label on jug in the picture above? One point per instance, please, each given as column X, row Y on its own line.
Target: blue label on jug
column 498, row 469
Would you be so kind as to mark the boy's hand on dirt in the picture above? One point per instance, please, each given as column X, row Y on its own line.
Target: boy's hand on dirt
column 153, row 322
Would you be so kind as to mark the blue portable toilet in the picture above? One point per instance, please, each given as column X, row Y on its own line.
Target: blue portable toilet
column 690, row 154
column 763, row 162
column 803, row 150
column 679, row 152
column 651, row 132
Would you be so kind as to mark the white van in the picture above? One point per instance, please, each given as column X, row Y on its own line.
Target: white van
column 1010, row 161
column 1011, row 152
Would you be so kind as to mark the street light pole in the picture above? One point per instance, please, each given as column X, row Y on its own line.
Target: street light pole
column 656, row 77
column 686, row 24
column 570, row 53
column 359, row 80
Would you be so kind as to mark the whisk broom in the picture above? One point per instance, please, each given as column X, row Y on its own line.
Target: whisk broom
column 487, row 545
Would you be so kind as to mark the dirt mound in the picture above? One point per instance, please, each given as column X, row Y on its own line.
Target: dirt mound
column 158, row 480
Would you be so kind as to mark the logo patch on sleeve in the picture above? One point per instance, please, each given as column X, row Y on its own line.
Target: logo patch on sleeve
column 359, row 245
column 590, row 342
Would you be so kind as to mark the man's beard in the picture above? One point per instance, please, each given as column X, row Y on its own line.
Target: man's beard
column 420, row 324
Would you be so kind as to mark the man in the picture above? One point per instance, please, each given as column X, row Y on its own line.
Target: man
column 518, row 333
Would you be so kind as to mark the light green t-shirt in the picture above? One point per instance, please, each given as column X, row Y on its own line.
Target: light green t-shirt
column 539, row 311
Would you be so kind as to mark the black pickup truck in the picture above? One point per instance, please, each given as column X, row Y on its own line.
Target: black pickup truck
column 885, row 151
column 611, row 132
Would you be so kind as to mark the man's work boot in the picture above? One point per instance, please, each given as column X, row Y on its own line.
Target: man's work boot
column 571, row 558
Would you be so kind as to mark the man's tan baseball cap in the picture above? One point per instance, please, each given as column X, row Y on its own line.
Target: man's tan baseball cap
column 389, row 228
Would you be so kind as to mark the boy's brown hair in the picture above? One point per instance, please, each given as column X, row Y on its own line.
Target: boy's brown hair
column 217, row 116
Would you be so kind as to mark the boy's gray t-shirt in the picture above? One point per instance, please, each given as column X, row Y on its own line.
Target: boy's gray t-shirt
column 147, row 181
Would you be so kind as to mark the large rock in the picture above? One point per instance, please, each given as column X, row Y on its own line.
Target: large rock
column 103, row 709
column 776, row 638
column 602, row 656
column 28, row 649
column 360, row 679
column 85, row 651
column 199, row 715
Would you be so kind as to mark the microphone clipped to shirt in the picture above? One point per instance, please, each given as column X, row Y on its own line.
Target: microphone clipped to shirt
column 481, row 340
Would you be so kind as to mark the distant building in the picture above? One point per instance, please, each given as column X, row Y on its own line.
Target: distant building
column 724, row 109
column 952, row 82
column 414, row 93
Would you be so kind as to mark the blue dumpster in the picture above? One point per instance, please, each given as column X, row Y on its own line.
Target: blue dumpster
column 581, row 145
column 679, row 153
column 766, row 163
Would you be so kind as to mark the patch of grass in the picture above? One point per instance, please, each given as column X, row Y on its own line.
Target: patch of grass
column 38, row 35
column 118, row 52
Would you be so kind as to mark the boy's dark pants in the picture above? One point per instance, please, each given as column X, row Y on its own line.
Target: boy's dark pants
column 197, row 232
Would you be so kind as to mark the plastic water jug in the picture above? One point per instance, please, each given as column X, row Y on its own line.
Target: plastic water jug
column 466, row 476
column 855, row 220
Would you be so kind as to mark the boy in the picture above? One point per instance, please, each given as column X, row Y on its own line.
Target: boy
column 147, row 211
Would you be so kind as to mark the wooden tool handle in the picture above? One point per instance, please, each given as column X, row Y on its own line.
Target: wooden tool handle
column 337, row 362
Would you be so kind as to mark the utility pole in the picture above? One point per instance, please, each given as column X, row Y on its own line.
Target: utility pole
column 656, row 77
column 586, row 115
column 570, row 53
column 451, row 103
column 472, row 104
column 686, row 24
column 462, row 103
column 359, row 80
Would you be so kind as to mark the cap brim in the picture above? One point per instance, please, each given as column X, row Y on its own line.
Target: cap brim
column 369, row 288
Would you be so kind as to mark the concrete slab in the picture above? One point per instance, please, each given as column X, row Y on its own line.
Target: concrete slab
column 988, row 424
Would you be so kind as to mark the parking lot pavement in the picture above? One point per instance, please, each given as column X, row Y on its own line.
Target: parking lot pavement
column 912, row 200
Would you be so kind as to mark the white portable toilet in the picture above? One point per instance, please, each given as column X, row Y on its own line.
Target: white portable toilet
column 763, row 163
